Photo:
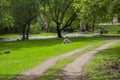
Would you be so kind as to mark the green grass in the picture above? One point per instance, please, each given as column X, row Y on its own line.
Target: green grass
column 44, row 34
column 17, row 35
column 9, row 35
column 53, row 73
column 98, row 69
column 112, row 29
column 27, row 54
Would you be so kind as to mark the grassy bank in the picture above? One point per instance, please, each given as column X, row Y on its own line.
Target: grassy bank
column 105, row 65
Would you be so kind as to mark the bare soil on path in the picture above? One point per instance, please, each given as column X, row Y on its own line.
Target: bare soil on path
column 35, row 72
column 73, row 71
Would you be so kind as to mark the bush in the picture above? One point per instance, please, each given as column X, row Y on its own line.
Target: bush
column 118, row 32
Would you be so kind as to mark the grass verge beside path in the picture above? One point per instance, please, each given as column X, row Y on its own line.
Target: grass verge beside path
column 53, row 73
column 105, row 65
column 27, row 54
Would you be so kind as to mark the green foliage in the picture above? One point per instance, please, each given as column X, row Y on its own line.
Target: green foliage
column 114, row 8
column 53, row 13
column 6, row 19
column 112, row 29
column 24, row 10
column 62, row 13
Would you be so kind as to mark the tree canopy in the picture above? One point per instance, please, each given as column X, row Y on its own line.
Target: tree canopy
column 60, row 14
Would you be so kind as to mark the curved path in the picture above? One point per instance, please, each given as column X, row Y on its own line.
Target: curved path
column 73, row 70
column 34, row 73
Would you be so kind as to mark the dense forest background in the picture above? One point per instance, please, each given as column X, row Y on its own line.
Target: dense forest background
column 35, row 16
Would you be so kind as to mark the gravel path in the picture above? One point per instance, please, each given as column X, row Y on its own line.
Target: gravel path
column 73, row 71
column 34, row 73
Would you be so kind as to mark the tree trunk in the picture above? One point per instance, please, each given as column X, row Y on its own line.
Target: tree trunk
column 27, row 32
column 93, row 26
column 82, row 26
column 47, row 27
column 87, row 27
column 23, row 33
column 59, row 35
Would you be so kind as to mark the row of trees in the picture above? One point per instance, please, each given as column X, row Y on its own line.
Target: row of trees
column 63, row 14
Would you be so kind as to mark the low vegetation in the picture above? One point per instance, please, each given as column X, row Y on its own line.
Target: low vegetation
column 104, row 66
column 112, row 29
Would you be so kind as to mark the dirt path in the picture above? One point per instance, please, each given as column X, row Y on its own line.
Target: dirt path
column 34, row 73
column 73, row 70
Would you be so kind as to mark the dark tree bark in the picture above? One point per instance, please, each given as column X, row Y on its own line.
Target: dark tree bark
column 23, row 32
column 59, row 34
column 87, row 27
column 93, row 26
column 69, row 21
column 27, row 31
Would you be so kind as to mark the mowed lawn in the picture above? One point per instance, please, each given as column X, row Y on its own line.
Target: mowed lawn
column 27, row 54
column 18, row 35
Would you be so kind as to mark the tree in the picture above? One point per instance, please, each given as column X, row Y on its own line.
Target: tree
column 24, row 12
column 62, row 12
column 6, row 20
column 93, row 12
column 114, row 8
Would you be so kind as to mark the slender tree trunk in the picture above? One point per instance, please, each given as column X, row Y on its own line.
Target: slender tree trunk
column 87, row 27
column 93, row 26
column 47, row 27
column 59, row 31
column 82, row 26
column 23, row 33
column 27, row 32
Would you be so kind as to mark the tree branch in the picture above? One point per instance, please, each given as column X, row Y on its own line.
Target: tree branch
column 70, row 20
